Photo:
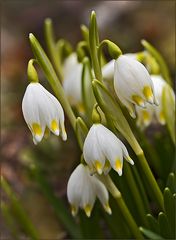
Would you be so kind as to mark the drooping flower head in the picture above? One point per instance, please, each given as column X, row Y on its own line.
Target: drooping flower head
column 108, row 68
column 82, row 190
column 103, row 150
column 42, row 110
column 72, row 79
column 132, row 83
column 152, row 112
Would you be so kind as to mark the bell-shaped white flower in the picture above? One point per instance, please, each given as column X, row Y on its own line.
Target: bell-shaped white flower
column 103, row 150
column 82, row 190
column 42, row 111
column 146, row 116
column 108, row 68
column 72, row 80
column 132, row 83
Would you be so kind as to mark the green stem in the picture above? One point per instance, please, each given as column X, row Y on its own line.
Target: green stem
column 94, row 43
column 154, row 188
column 48, row 69
column 52, row 48
column 122, row 206
column 135, row 193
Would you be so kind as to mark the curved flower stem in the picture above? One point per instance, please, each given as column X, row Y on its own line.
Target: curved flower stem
column 48, row 69
column 154, row 188
column 52, row 48
column 122, row 206
column 113, row 49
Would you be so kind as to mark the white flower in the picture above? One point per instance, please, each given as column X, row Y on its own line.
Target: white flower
column 42, row 110
column 72, row 79
column 103, row 150
column 108, row 68
column 132, row 83
column 146, row 116
column 82, row 190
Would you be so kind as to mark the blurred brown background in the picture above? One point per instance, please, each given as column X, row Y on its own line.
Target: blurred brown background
column 124, row 22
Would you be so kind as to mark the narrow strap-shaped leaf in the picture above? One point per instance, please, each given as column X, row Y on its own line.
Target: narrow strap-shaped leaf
column 164, row 226
column 94, row 43
column 51, row 45
column 20, row 213
column 169, row 205
column 87, row 91
column 163, row 66
column 141, row 189
column 171, row 182
column 153, row 223
column 151, row 235
column 135, row 193
column 113, row 110
column 60, row 210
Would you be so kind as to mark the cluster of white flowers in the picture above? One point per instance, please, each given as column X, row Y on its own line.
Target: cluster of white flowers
column 102, row 150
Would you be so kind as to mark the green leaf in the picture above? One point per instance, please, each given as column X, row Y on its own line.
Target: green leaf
column 149, row 234
column 19, row 211
column 153, row 223
column 164, row 225
column 87, row 91
column 171, row 182
column 163, row 66
column 51, row 45
column 113, row 111
column 169, row 205
column 60, row 210
column 168, row 102
column 94, row 43
column 81, row 131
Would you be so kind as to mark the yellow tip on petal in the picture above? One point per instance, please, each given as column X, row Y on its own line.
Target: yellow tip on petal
column 36, row 128
column 55, row 127
column 107, row 208
column 147, row 91
column 118, row 166
column 162, row 118
column 64, row 134
column 88, row 209
column 74, row 210
column 146, row 117
column 129, row 160
column 138, row 100
column 98, row 167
